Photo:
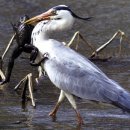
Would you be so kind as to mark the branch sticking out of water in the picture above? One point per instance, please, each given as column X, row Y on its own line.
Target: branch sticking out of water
column 27, row 81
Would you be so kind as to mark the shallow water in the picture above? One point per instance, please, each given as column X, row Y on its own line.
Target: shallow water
column 109, row 16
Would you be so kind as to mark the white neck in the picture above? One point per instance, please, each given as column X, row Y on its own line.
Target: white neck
column 39, row 33
column 43, row 29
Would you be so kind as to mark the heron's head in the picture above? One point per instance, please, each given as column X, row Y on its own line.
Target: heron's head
column 61, row 17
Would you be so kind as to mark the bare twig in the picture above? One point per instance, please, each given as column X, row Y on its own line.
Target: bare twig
column 79, row 37
column 28, row 82
column 119, row 32
column 86, row 42
column 2, row 75
column 39, row 75
column 30, row 88
column 20, row 83
column 72, row 39
column 8, row 46
column 24, row 94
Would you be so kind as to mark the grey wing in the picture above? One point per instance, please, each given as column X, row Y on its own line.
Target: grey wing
column 81, row 82
column 75, row 74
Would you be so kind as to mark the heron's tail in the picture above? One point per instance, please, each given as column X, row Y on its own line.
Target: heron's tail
column 123, row 101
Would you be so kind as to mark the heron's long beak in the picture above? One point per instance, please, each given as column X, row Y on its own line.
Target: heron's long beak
column 41, row 17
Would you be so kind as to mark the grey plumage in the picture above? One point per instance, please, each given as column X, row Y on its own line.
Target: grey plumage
column 74, row 73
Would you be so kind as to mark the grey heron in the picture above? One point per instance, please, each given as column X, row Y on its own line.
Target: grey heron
column 68, row 70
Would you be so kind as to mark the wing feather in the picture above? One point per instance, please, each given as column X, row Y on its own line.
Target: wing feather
column 75, row 74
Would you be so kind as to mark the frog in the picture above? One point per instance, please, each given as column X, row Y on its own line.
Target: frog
column 23, row 44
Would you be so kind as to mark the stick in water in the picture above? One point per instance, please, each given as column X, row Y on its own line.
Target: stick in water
column 8, row 46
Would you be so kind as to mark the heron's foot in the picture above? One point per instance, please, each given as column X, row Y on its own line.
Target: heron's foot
column 80, row 121
column 52, row 114
column 54, row 111
column 79, row 118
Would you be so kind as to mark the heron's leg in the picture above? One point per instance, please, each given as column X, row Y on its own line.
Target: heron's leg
column 73, row 103
column 60, row 100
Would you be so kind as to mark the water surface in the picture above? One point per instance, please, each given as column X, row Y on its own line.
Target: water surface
column 109, row 16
